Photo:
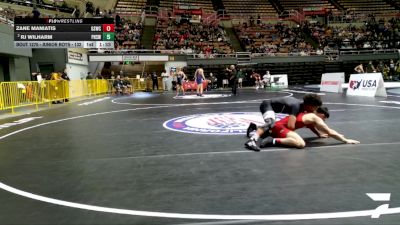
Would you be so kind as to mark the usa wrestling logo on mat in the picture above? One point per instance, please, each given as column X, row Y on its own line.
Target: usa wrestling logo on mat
column 232, row 123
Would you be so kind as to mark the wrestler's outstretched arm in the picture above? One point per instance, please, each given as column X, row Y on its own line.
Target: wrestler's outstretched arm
column 321, row 125
column 319, row 133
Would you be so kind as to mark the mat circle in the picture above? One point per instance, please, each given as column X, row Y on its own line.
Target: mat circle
column 204, row 96
column 227, row 123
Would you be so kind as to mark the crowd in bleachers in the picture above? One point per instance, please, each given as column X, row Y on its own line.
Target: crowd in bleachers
column 255, row 37
column 130, row 6
column 379, row 7
column 197, row 38
column 7, row 15
column 273, row 39
column 282, row 39
column 60, row 6
column 127, row 33
column 38, row 8
column 371, row 35
column 10, row 13
column 249, row 8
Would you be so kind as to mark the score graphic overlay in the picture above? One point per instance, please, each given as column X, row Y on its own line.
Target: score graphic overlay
column 64, row 33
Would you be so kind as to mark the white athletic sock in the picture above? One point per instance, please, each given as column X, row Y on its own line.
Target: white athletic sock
column 255, row 137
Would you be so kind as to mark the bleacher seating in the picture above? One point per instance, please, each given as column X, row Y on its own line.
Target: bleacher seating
column 377, row 7
column 205, row 5
column 300, row 4
column 59, row 6
column 375, row 34
column 278, row 39
column 130, row 6
column 191, row 38
column 128, row 34
column 8, row 14
column 11, row 11
column 250, row 8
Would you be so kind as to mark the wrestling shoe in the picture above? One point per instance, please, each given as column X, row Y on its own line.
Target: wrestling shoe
column 267, row 142
column 252, row 145
column 250, row 130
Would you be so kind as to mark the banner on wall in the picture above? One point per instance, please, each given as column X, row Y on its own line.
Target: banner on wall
column 77, row 57
column 188, row 10
column 120, row 58
column 279, row 80
column 130, row 58
column 309, row 11
column 332, row 82
column 366, row 84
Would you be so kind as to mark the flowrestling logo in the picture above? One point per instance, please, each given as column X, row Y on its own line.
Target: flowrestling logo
column 18, row 122
column 362, row 84
column 232, row 123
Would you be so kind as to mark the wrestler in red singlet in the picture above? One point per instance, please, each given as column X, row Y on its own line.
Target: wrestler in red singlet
column 280, row 130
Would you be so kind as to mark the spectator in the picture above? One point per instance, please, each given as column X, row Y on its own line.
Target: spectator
column 127, row 86
column 380, row 67
column 118, row 85
column 65, row 77
column 267, row 79
column 118, row 22
column 56, row 90
column 155, row 80
column 359, row 68
column 240, row 75
column 89, row 76
column 35, row 13
column 165, row 82
column 257, row 78
column 99, row 76
column 233, row 77
column 370, row 68
column 77, row 12
column 112, row 75
column 392, row 69
column 143, row 16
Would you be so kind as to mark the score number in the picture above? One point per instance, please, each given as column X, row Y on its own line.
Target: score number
column 108, row 28
column 108, row 37
column 108, row 34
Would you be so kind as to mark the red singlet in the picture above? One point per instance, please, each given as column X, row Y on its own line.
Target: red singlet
column 280, row 129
